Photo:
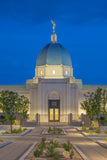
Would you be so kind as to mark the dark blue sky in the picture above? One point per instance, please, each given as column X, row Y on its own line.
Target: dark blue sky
column 25, row 28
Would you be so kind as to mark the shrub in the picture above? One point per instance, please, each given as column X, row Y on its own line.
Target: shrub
column 42, row 144
column 97, row 130
column 91, row 128
column 52, row 153
column 55, row 144
column 49, row 130
column 54, row 130
column 105, row 132
column 67, row 146
column 59, row 130
column 16, row 131
column 24, row 129
column 105, row 139
column 83, row 128
column 37, row 153
column 90, row 132
column 6, row 132
column 71, row 154
column 1, row 140
column 56, row 156
column 43, row 139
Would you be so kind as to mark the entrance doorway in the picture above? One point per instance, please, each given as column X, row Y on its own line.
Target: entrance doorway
column 54, row 110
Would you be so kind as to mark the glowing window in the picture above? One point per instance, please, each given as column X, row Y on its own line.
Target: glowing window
column 56, row 114
column 51, row 114
column 41, row 72
column 66, row 72
column 53, row 71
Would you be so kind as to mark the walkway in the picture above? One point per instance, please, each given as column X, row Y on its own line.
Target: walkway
column 15, row 150
column 92, row 150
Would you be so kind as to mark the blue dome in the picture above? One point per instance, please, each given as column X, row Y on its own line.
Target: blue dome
column 54, row 54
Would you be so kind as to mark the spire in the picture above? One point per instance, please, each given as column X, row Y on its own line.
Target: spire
column 53, row 35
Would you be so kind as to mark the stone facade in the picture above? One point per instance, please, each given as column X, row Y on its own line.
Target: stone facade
column 53, row 83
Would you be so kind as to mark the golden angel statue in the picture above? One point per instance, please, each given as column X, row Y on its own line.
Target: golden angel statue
column 53, row 26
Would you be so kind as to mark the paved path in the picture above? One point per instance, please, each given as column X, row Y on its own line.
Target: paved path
column 14, row 150
column 92, row 150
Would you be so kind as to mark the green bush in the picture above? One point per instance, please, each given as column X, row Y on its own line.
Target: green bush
column 91, row 128
column 71, row 154
column 43, row 139
column 24, row 129
column 83, row 128
column 49, row 130
column 56, row 156
column 90, row 132
column 59, row 130
column 37, row 153
column 52, row 153
column 97, row 130
column 105, row 132
column 67, row 146
column 55, row 130
column 55, row 144
column 105, row 139
column 1, row 140
column 16, row 131
column 42, row 144
column 6, row 132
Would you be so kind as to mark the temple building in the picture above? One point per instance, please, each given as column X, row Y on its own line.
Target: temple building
column 54, row 92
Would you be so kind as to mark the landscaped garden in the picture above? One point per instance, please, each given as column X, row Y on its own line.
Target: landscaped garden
column 93, row 130
column 99, row 135
column 15, row 131
column 53, row 150
column 55, row 130
column 1, row 141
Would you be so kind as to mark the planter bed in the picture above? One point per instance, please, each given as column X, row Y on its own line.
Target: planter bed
column 52, row 150
column 14, row 132
column 1, row 141
column 53, row 131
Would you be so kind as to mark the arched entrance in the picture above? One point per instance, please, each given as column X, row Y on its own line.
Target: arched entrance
column 54, row 107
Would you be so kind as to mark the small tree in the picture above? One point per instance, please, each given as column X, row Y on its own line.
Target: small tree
column 104, row 102
column 8, row 102
column 94, row 104
column 88, row 106
column 98, row 104
column 22, row 107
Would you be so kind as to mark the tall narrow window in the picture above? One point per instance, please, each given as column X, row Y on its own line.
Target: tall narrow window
column 53, row 71
column 51, row 114
column 66, row 72
column 41, row 72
